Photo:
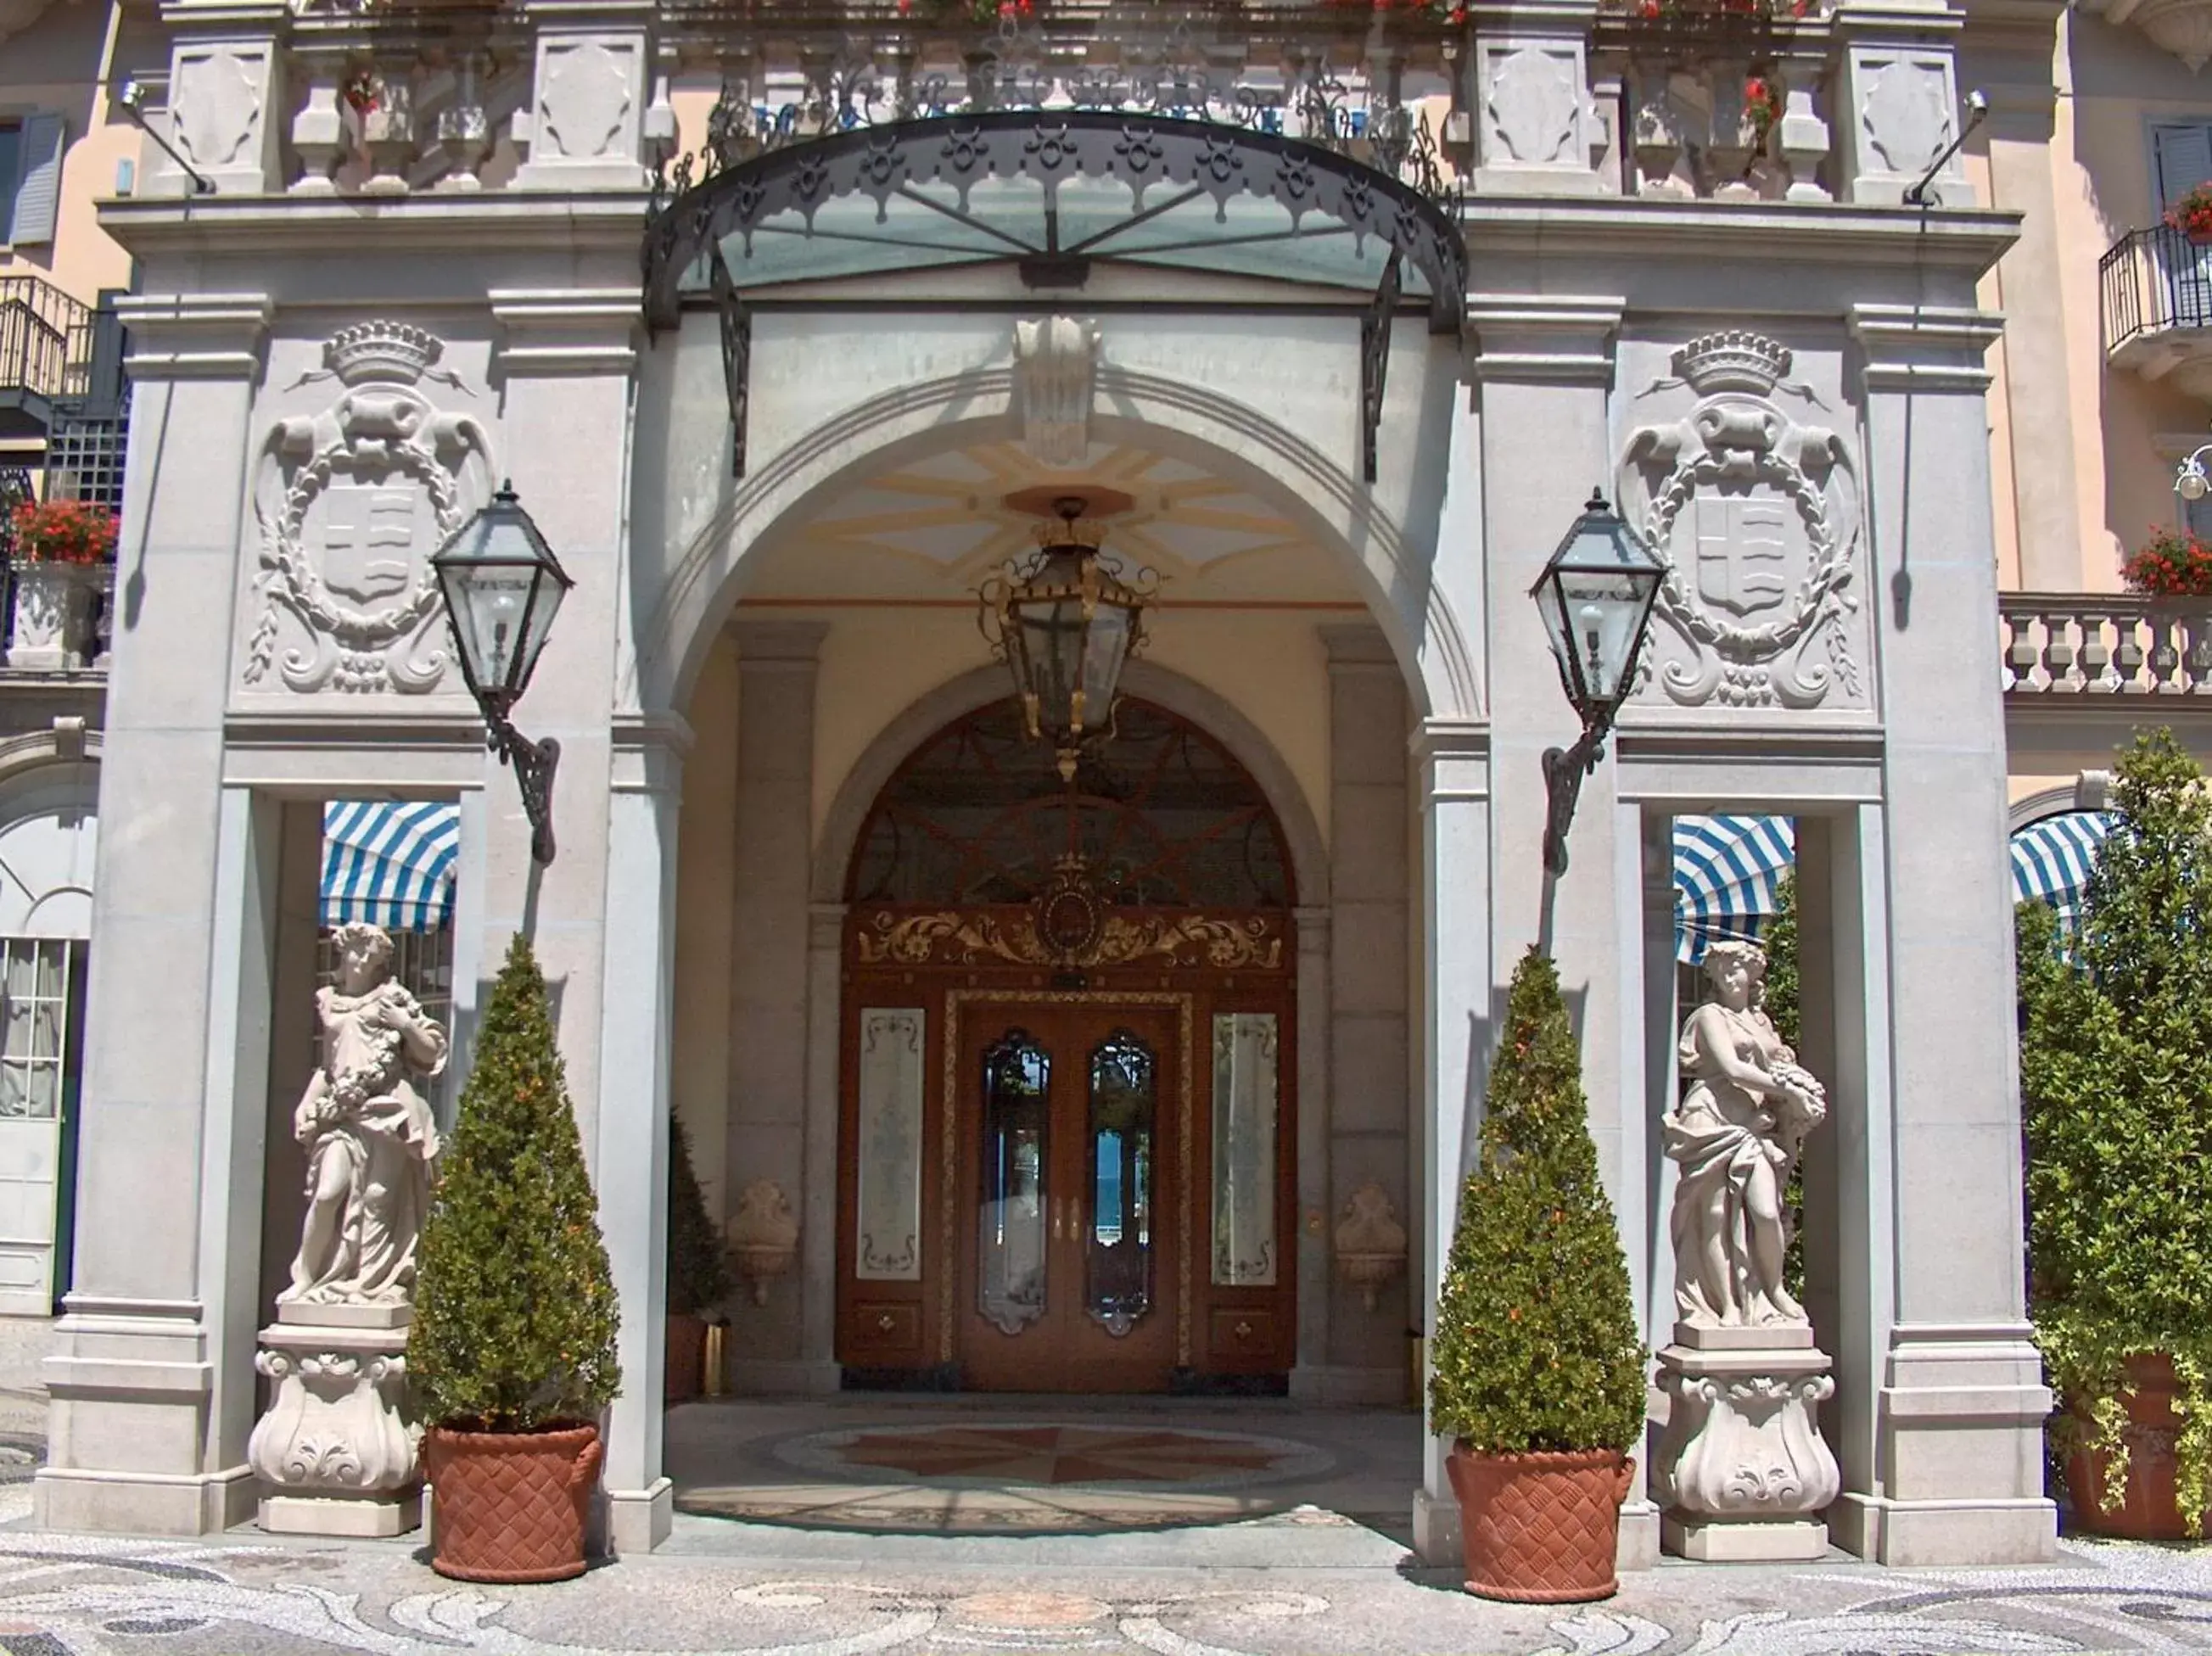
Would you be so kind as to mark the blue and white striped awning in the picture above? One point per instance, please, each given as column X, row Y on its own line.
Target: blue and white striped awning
column 2052, row 859
column 1727, row 872
column 390, row 863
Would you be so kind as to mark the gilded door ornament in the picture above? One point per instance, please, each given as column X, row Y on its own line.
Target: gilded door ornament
column 969, row 937
column 351, row 503
column 1756, row 512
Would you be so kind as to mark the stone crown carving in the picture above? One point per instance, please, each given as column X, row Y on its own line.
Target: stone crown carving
column 372, row 351
column 1733, row 361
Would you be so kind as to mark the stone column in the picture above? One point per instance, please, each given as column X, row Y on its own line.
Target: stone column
column 1456, row 839
column 825, row 967
column 772, row 856
column 1958, row 1454
column 1369, row 1068
column 631, row 1167
column 1317, row 1269
column 152, row 1380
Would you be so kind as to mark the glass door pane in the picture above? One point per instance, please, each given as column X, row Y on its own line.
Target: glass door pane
column 1117, row 1240
column 1014, row 1164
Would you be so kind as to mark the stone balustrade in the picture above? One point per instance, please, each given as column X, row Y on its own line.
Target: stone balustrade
column 2075, row 644
column 1704, row 100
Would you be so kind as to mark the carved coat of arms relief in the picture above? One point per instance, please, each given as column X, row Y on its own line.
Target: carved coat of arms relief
column 1756, row 512
column 350, row 503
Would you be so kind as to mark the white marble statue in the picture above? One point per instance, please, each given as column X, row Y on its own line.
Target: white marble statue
column 368, row 1133
column 1736, row 1132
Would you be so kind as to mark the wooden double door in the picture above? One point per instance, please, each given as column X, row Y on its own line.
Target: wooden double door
column 1070, row 1175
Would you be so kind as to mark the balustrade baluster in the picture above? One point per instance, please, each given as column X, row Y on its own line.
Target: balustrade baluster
column 2128, row 653
column 2021, row 655
column 2058, row 653
column 2096, row 656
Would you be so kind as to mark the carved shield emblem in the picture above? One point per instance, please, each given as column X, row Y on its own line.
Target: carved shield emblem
column 372, row 539
column 1743, row 551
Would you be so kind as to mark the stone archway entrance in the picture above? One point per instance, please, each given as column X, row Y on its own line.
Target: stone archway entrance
column 1066, row 1114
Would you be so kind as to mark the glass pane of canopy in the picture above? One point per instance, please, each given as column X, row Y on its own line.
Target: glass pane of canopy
column 928, row 225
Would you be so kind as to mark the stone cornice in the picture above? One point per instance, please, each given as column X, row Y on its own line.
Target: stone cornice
column 352, row 226
column 205, row 335
column 1925, row 347
column 1613, row 228
column 556, row 331
column 1544, row 336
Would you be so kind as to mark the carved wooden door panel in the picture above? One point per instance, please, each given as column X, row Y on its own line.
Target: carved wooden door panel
column 1069, row 1166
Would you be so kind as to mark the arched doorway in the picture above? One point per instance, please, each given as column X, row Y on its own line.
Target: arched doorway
column 1067, row 1111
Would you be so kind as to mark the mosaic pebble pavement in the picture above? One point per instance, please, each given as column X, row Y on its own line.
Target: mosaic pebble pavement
column 77, row 1595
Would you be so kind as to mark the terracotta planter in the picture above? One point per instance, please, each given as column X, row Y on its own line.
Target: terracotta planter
column 684, row 1368
column 2150, row 1511
column 1540, row 1529
column 510, row 1506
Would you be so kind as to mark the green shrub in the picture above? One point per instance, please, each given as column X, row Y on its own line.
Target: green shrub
column 2116, row 1087
column 698, row 1274
column 515, row 1304
column 1536, row 1345
column 1779, row 939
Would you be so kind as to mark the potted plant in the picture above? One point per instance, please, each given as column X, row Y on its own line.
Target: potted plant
column 56, row 548
column 2172, row 563
column 698, row 1277
column 1537, row 1370
column 2192, row 214
column 2116, row 1093
column 512, row 1353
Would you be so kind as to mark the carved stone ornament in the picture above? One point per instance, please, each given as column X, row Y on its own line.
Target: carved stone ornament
column 1905, row 116
column 351, row 503
column 1743, row 1467
column 214, row 103
column 955, row 939
column 763, row 1236
column 1055, row 370
column 586, row 99
column 2183, row 27
column 1757, row 515
column 1370, row 1243
column 368, row 1131
column 336, row 1424
column 1534, row 104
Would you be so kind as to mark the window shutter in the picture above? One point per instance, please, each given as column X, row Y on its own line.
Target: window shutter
column 2184, row 160
column 39, row 192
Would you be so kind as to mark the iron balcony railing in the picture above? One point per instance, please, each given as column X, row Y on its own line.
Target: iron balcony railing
column 45, row 340
column 2152, row 280
column 2088, row 645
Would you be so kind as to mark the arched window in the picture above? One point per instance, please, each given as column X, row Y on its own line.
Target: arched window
column 1160, row 813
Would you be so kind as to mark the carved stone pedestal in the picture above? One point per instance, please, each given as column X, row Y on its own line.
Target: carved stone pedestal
column 336, row 1454
column 1743, row 1471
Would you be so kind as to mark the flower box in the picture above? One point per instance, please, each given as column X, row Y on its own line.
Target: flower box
column 2192, row 214
column 63, row 531
column 2172, row 563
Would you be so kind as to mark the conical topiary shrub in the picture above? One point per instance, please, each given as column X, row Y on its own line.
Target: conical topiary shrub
column 1538, row 1368
column 698, row 1272
column 512, row 1354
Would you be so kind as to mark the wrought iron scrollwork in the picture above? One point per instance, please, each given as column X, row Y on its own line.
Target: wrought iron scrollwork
column 1375, row 359
column 736, row 355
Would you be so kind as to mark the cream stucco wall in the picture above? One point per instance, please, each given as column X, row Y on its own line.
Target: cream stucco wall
column 877, row 662
column 66, row 62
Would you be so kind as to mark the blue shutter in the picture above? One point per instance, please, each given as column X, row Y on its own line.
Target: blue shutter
column 39, row 188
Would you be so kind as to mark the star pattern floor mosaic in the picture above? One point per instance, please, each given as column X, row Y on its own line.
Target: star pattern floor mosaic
column 1016, row 1476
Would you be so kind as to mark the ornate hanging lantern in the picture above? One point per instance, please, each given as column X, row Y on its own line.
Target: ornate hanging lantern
column 1065, row 620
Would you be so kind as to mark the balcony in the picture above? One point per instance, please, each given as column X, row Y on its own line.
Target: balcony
column 46, row 346
column 2096, row 647
column 2155, row 304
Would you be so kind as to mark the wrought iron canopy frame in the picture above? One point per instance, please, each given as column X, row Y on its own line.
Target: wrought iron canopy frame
column 1174, row 160
column 1178, row 159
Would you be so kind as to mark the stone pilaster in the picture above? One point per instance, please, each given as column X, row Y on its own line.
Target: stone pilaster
column 1537, row 129
column 772, row 857
column 226, row 100
column 152, row 1380
column 1898, row 99
column 630, row 1169
column 1955, row 1472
